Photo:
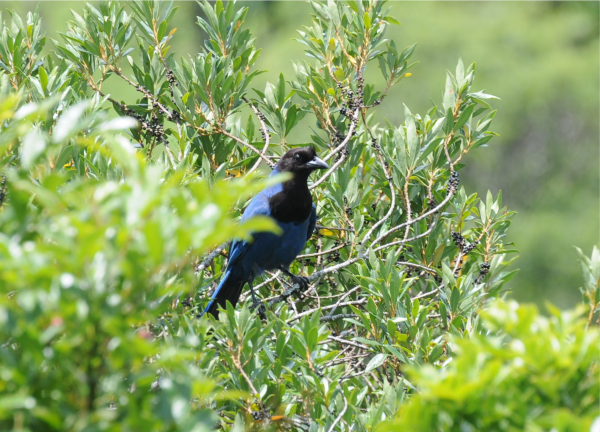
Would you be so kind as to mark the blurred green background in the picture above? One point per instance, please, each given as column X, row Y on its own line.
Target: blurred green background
column 540, row 58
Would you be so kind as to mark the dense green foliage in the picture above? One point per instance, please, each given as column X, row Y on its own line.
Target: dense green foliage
column 85, row 260
column 540, row 58
column 103, row 263
column 539, row 374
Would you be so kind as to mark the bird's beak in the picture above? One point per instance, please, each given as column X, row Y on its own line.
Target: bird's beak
column 317, row 163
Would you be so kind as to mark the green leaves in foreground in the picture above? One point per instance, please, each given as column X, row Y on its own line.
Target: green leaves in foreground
column 85, row 264
column 529, row 373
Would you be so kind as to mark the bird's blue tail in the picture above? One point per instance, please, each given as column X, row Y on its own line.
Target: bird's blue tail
column 229, row 289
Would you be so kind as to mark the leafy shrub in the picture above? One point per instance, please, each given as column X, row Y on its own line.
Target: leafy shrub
column 100, row 242
column 86, row 265
column 527, row 372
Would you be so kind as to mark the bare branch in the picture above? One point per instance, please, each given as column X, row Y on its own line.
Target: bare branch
column 246, row 144
column 417, row 219
column 321, row 227
column 346, row 294
column 345, row 342
column 308, row 312
column 426, row 294
column 265, row 134
column 211, row 256
column 406, row 240
column 334, row 268
column 342, row 145
column 328, row 251
column 339, row 417
column 329, row 318
column 419, row 266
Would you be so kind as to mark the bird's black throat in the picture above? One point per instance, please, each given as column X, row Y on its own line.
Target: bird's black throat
column 294, row 202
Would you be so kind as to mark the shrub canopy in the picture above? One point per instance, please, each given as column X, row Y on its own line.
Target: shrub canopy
column 110, row 207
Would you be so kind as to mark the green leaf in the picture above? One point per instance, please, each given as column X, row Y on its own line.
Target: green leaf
column 454, row 299
column 367, row 20
column 449, row 94
column 43, row 78
column 464, row 116
column 354, row 5
column 281, row 91
column 32, row 148
column 375, row 362
column 449, row 123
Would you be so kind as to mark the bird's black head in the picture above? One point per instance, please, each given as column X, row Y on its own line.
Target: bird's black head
column 301, row 161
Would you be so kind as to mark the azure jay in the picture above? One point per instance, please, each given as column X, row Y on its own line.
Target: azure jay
column 290, row 205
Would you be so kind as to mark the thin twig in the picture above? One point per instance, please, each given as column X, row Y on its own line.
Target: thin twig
column 417, row 219
column 393, row 194
column 345, row 342
column 339, row 417
column 151, row 98
column 419, row 266
column 285, row 295
column 265, row 133
column 342, row 145
column 321, row 227
column 426, row 294
column 334, row 268
column 211, row 256
column 246, row 144
column 346, row 294
column 328, row 251
column 329, row 318
column 403, row 241
column 308, row 312
column 344, row 359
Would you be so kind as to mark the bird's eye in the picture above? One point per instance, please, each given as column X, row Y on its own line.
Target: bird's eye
column 298, row 157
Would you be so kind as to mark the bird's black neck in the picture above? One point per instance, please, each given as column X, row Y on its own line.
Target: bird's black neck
column 294, row 202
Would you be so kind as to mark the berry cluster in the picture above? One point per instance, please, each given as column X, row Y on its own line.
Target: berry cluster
column 483, row 270
column 349, row 211
column 334, row 257
column 175, row 116
column 453, row 182
column 171, row 77
column 171, row 80
column 153, row 127
column 431, row 202
column 461, row 243
column 261, row 415
column 352, row 100
column 263, row 119
column 375, row 146
column 458, row 239
column 337, row 137
column 307, row 262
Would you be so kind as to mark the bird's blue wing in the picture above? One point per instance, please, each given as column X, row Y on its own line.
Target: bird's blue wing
column 259, row 206
column 312, row 222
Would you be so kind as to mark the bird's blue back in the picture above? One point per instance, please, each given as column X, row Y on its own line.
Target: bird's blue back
column 289, row 205
column 269, row 251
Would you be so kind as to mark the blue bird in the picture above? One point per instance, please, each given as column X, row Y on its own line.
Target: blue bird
column 290, row 205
